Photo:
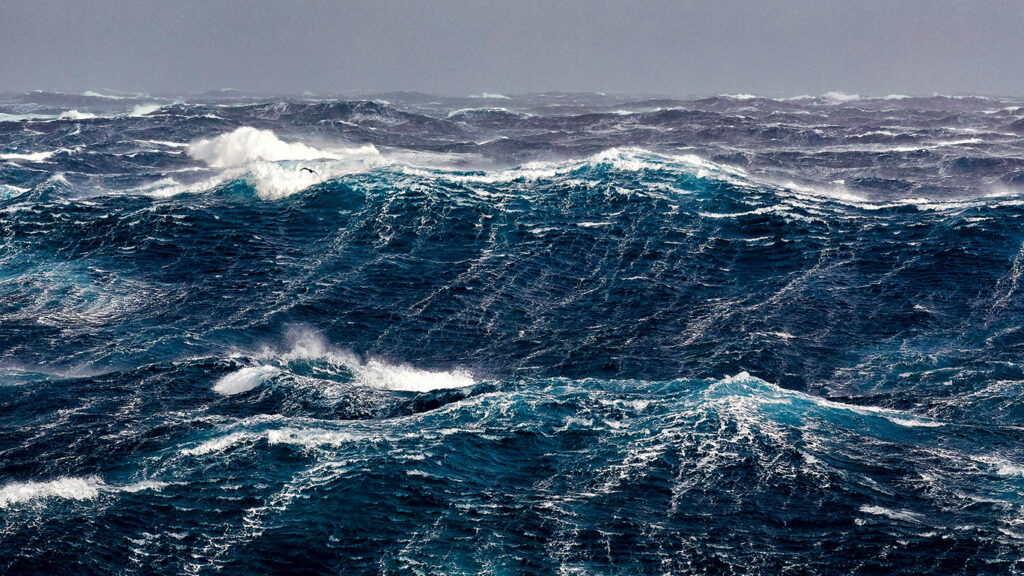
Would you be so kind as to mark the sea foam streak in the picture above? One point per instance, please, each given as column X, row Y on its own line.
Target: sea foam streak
column 67, row 488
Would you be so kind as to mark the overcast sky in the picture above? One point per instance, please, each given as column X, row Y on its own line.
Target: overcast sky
column 768, row 47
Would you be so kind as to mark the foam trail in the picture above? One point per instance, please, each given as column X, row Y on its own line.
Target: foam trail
column 28, row 156
column 143, row 109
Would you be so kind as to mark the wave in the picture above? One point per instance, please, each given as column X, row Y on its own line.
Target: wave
column 247, row 144
column 277, row 168
column 66, row 488
column 69, row 488
column 29, row 156
column 308, row 346
column 768, row 393
column 836, row 97
column 243, row 380
column 144, row 109
column 514, row 317
column 273, row 164
column 292, row 433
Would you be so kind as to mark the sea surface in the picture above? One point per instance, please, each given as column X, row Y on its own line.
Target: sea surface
column 546, row 334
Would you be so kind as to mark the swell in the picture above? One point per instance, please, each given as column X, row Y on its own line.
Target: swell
column 628, row 264
column 492, row 335
column 600, row 475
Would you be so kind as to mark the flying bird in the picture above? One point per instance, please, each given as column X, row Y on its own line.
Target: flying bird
column 310, row 170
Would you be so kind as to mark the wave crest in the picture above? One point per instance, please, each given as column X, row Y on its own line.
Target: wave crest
column 271, row 164
column 309, row 347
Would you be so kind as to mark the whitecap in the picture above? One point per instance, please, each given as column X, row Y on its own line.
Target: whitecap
column 216, row 445
column 143, row 109
column 777, row 393
column 378, row 374
column 903, row 515
column 247, row 144
column 28, row 156
column 309, row 345
column 836, row 97
column 68, row 488
column 94, row 94
column 243, row 380
column 75, row 115
column 309, row 437
column 272, row 165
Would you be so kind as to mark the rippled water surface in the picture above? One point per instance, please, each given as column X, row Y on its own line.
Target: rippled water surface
column 572, row 334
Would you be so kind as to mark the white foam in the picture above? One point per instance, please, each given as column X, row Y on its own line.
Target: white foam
column 625, row 159
column 94, row 94
column 75, row 115
column 69, row 488
column 836, row 97
column 216, row 445
column 68, row 115
column 8, row 191
column 1010, row 469
column 378, row 374
column 142, row 486
column 166, row 143
column 454, row 113
column 271, row 163
column 905, row 419
column 243, row 380
column 490, row 95
column 305, row 437
column 309, row 437
column 15, row 117
column 373, row 372
column 28, row 157
column 1001, row 466
column 143, row 109
column 247, row 144
column 904, row 515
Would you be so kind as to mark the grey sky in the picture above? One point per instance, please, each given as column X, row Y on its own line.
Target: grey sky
column 773, row 47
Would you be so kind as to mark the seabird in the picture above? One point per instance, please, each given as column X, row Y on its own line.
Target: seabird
column 310, row 170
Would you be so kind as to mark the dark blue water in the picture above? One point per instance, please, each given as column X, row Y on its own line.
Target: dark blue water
column 554, row 334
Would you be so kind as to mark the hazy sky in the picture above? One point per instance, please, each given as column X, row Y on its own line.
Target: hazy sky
column 771, row 47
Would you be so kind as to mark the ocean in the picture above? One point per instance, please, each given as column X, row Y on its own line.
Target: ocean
column 543, row 334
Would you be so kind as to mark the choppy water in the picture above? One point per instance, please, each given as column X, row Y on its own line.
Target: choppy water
column 569, row 334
